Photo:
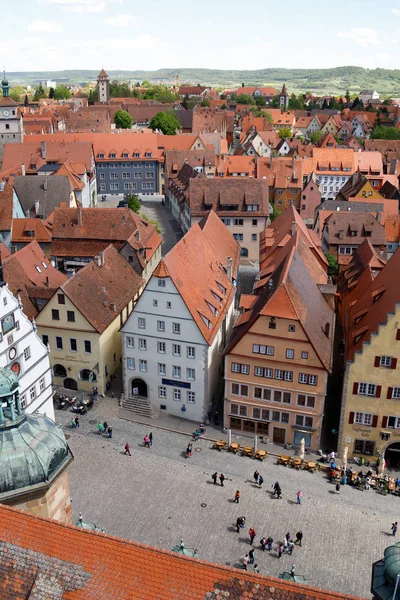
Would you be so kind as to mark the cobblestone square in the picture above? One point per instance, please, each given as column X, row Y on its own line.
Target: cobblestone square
column 158, row 496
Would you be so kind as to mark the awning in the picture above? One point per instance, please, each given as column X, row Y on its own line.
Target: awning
column 297, row 428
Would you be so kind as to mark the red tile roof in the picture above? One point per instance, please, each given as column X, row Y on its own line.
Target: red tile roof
column 221, row 241
column 22, row 231
column 58, row 150
column 6, row 207
column 87, row 565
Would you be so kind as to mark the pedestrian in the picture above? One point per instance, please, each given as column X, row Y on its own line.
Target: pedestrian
column 222, row 479
column 279, row 550
column 100, row 427
column 260, row 480
column 367, row 483
column 214, row 477
column 299, row 537
column 251, row 556
column 252, row 535
column 189, row 450
column 270, row 541
column 256, row 569
column 279, row 493
column 237, row 497
column 338, row 487
column 394, row 528
column 263, row 543
column 246, row 561
column 291, row 547
column 109, row 431
column 150, row 439
column 105, row 426
column 76, row 421
column 287, row 536
column 146, row 441
column 73, row 424
column 238, row 523
column 256, row 476
column 285, row 545
column 299, row 496
column 127, row 449
column 331, row 457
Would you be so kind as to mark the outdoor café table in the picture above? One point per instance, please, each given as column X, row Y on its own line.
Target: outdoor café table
column 234, row 447
column 247, row 450
column 311, row 466
column 296, row 462
column 261, row 454
column 284, row 460
column 219, row 445
column 392, row 486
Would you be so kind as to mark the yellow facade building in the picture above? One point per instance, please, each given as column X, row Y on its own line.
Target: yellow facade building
column 370, row 415
column 82, row 321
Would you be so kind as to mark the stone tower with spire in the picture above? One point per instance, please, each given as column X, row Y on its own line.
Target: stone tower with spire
column 11, row 125
column 284, row 98
column 103, row 86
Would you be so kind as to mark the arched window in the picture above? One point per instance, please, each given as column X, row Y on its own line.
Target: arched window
column 87, row 375
column 244, row 252
column 59, row 371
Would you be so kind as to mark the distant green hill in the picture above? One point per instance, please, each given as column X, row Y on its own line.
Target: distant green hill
column 338, row 80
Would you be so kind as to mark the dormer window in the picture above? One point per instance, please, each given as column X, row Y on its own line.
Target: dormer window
column 206, row 321
column 125, row 155
column 101, row 155
column 113, row 155
column 148, row 154
column 222, row 288
column 137, row 155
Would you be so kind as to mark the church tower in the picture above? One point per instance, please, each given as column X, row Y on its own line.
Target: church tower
column 11, row 125
column 284, row 98
column 103, row 85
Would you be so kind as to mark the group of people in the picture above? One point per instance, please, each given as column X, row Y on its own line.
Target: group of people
column 221, row 478
column 105, row 428
column 148, row 440
column 285, row 547
column 258, row 479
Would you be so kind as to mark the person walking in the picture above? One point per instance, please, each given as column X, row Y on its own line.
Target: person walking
column 285, row 545
column 251, row 556
column 240, row 522
column 270, row 541
column 256, row 569
column 105, row 426
column 127, row 449
column 150, row 439
column 256, row 476
column 109, row 431
column 237, row 497
column 260, row 480
column 214, row 477
column 299, row 496
column 337, row 487
column 291, row 547
column 287, row 536
column 394, row 528
column 73, row 424
column 299, row 537
column 77, row 422
column 146, row 441
column 263, row 543
column 222, row 479
column 252, row 535
column 246, row 560
column 189, row 450
column 100, row 428
column 279, row 550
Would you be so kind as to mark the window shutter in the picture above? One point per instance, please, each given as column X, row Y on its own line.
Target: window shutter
column 351, row 418
column 355, row 388
column 375, row 421
column 384, row 421
column 398, row 334
column 378, row 391
column 377, row 361
column 389, row 393
column 393, row 364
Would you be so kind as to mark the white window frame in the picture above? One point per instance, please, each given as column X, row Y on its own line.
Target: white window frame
column 190, row 374
column 27, row 352
column 142, row 365
column 32, row 393
column 177, row 394
column 190, row 397
column 41, row 385
column 176, row 371
column 143, row 344
column 396, row 393
column 161, row 326
column 176, row 349
column 176, row 328
column 141, row 323
column 191, row 352
column 161, row 347
column 162, row 391
column 289, row 353
column 162, row 369
column 361, row 418
column 235, row 367
column 130, row 341
column 385, row 361
column 366, row 389
column 130, row 363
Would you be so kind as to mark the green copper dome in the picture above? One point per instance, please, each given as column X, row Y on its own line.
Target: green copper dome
column 33, row 450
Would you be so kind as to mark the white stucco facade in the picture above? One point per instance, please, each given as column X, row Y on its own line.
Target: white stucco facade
column 22, row 350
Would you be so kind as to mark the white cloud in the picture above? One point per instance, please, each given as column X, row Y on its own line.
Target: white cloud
column 42, row 26
column 396, row 11
column 80, row 6
column 121, row 21
column 364, row 36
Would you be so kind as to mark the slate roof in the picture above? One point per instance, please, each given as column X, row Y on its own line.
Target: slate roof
column 355, row 277
column 32, row 189
column 360, row 223
column 100, row 293
column 81, row 564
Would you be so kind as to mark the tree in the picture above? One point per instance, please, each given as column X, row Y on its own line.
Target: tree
column 26, row 100
column 357, row 104
column 134, row 203
column 62, row 93
column 205, row 103
column 385, row 133
column 93, row 96
column 152, row 221
column 275, row 213
column 316, row 137
column 333, row 267
column 39, row 93
column 51, row 92
column 123, row 119
column 285, row 132
column 16, row 93
column 347, row 96
column 260, row 101
column 267, row 116
column 165, row 122
column 185, row 102
column 245, row 99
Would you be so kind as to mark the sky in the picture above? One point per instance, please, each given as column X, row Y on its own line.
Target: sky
column 40, row 35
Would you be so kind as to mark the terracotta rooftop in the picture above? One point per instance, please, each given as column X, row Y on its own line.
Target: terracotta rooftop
column 58, row 150
column 6, row 206
column 221, row 240
column 26, row 230
column 29, row 273
column 352, row 228
column 101, row 292
column 175, row 159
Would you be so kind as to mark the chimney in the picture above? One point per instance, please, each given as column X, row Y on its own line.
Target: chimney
column 23, row 170
column 293, row 227
column 43, row 149
column 293, row 162
column 45, row 185
column 37, row 204
column 229, row 268
column 101, row 258
column 79, row 216
column 46, row 283
column 270, row 161
column 379, row 216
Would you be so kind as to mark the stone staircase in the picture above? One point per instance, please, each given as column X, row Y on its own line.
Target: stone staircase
column 141, row 406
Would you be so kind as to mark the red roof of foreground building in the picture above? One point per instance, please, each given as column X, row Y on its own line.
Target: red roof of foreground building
column 40, row 554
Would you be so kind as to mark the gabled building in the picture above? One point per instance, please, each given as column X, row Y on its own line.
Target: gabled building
column 370, row 421
column 358, row 186
column 308, row 125
column 173, row 340
column 310, row 199
column 333, row 125
column 285, row 180
column 279, row 356
column 24, row 231
column 39, row 196
column 82, row 320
